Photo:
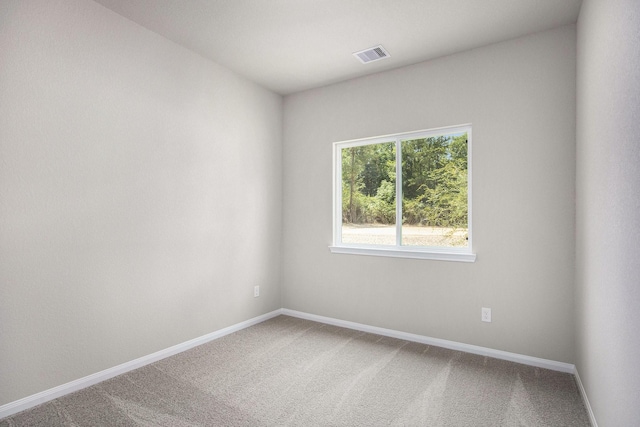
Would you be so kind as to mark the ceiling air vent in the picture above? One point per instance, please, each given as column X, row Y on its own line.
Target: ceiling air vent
column 372, row 54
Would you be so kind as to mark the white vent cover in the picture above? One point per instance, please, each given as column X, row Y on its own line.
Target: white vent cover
column 372, row 54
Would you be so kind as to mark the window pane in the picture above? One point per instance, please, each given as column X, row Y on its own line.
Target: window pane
column 369, row 194
column 434, row 191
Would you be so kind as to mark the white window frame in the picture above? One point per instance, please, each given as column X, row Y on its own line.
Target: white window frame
column 398, row 251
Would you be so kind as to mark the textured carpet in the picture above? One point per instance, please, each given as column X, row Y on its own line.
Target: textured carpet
column 292, row 372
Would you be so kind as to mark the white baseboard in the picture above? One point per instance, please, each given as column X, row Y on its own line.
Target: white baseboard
column 452, row 345
column 585, row 399
column 70, row 387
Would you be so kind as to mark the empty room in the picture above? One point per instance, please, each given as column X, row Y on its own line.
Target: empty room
column 319, row 212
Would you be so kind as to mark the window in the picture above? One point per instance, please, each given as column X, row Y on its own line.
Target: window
column 406, row 195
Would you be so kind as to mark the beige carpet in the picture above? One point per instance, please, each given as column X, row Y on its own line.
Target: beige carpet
column 293, row 372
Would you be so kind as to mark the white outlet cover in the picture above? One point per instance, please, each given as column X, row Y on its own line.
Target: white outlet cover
column 486, row 314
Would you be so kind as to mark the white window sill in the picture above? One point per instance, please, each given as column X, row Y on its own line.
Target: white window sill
column 393, row 252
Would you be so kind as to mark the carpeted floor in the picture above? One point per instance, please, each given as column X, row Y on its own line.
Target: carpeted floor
column 292, row 372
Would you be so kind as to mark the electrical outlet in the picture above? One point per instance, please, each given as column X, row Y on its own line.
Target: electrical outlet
column 256, row 291
column 486, row 314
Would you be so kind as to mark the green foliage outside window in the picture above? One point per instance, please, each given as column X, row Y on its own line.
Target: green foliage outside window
column 434, row 182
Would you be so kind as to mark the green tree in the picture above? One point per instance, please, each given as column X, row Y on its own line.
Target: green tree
column 434, row 182
column 364, row 170
column 434, row 189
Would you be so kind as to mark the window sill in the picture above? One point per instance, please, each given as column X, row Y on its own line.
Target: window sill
column 433, row 254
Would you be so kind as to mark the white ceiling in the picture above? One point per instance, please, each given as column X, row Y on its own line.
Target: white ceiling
column 292, row 45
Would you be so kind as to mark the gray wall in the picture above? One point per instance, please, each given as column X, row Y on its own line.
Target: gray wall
column 520, row 97
column 608, row 209
column 141, row 194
